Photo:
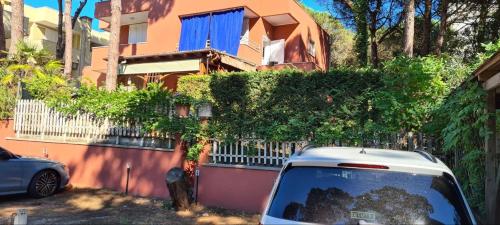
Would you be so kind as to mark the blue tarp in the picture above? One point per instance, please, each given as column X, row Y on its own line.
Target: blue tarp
column 194, row 32
column 225, row 30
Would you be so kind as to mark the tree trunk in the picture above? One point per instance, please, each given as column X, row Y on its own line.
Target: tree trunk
column 427, row 28
column 61, row 45
column 77, row 12
column 114, row 45
column 16, row 26
column 361, row 45
column 68, row 49
column 60, row 42
column 409, row 29
column 373, row 40
column 374, row 50
column 443, row 11
column 482, row 24
column 178, row 188
column 496, row 24
column 2, row 33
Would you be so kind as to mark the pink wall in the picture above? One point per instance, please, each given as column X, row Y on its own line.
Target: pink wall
column 233, row 188
column 96, row 167
column 105, row 167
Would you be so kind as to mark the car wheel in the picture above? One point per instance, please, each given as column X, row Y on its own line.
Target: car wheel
column 43, row 184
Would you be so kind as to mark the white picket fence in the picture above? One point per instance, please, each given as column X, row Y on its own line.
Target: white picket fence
column 34, row 120
column 253, row 152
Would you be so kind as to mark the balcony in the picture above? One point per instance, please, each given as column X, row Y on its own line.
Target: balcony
column 103, row 8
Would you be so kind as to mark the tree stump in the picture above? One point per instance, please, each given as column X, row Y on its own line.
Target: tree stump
column 178, row 188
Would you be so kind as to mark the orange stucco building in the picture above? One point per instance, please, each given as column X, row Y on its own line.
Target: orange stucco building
column 155, row 34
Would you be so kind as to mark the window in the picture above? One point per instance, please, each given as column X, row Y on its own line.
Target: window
column 137, row 33
column 245, row 32
column 357, row 196
column 311, row 48
column 76, row 41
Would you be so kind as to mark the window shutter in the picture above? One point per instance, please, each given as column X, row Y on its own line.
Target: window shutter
column 131, row 34
column 137, row 33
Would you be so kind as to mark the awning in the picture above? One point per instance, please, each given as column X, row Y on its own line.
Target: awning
column 189, row 65
column 198, row 55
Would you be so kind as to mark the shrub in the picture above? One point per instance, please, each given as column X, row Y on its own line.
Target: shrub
column 283, row 105
column 196, row 86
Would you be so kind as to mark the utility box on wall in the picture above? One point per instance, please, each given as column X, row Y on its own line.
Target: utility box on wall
column 205, row 110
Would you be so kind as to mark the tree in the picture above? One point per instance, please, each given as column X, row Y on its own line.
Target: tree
column 443, row 25
column 77, row 12
column 60, row 43
column 2, row 32
column 17, row 32
column 60, row 47
column 409, row 29
column 114, row 45
column 427, row 29
column 380, row 17
column 353, row 14
column 361, row 31
column 496, row 23
column 481, row 24
column 474, row 21
column 68, row 55
column 341, row 39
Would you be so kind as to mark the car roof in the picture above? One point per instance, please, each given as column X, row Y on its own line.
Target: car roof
column 405, row 161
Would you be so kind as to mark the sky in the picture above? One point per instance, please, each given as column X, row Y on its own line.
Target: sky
column 313, row 4
column 88, row 10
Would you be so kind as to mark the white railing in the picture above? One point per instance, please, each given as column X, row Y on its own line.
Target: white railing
column 34, row 120
column 253, row 152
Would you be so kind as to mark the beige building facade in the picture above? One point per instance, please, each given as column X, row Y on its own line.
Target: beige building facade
column 41, row 30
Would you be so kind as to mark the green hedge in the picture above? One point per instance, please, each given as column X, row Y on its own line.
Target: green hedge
column 290, row 105
column 286, row 105
column 405, row 95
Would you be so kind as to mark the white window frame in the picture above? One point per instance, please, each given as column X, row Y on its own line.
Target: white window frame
column 138, row 33
column 245, row 32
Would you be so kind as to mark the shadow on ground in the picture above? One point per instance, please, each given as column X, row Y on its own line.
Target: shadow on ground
column 89, row 206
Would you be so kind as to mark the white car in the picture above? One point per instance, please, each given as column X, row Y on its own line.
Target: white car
column 338, row 185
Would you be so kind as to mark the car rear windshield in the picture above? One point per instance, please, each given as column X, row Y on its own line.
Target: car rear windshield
column 359, row 196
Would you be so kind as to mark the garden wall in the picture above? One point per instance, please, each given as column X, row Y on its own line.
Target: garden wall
column 105, row 167
column 244, row 188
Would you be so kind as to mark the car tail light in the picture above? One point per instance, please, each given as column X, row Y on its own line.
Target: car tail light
column 366, row 166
